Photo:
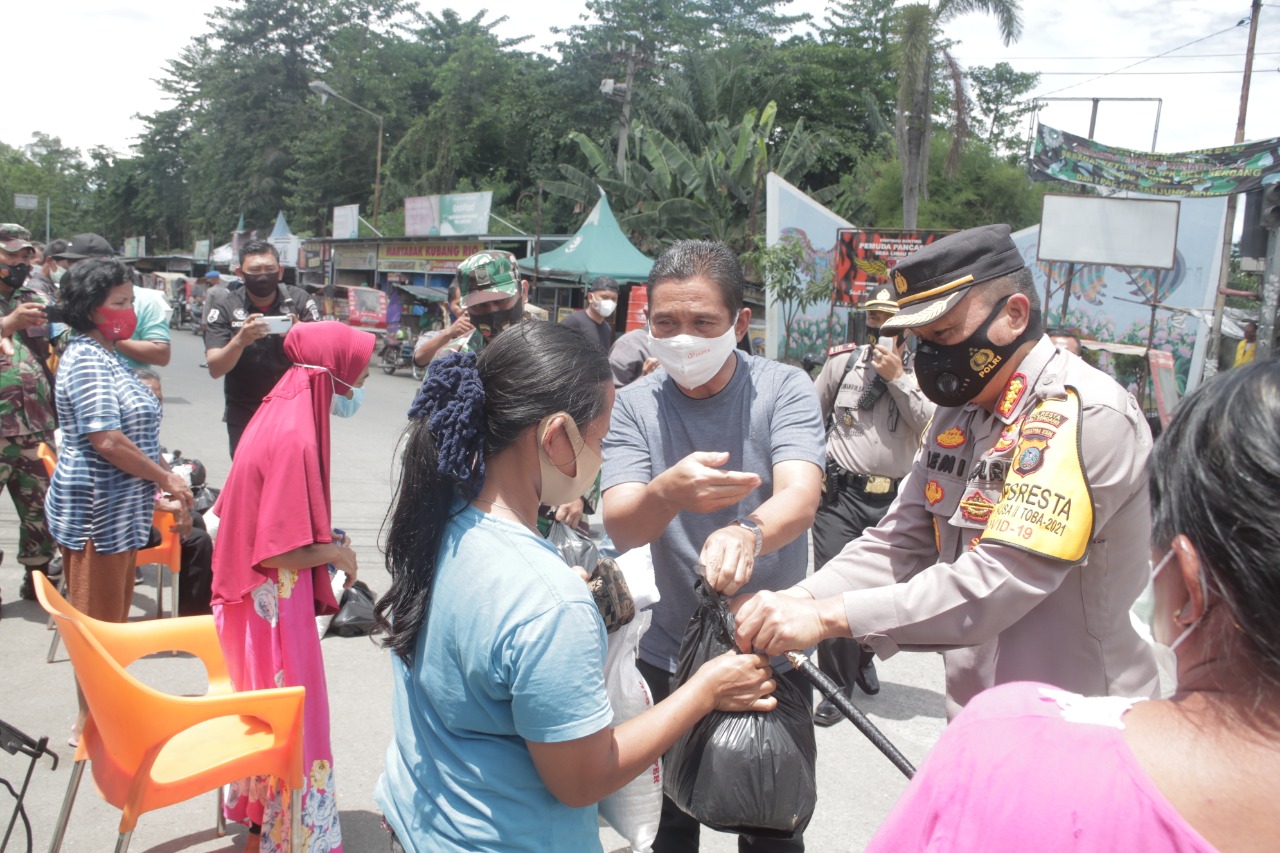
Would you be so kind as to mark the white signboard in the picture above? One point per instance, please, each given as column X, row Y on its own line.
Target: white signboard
column 23, row 201
column 346, row 222
column 1121, row 232
column 288, row 247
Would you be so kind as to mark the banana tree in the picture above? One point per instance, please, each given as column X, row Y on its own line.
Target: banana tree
column 671, row 192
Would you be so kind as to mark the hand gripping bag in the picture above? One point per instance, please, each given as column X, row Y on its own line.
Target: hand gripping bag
column 752, row 772
column 634, row 809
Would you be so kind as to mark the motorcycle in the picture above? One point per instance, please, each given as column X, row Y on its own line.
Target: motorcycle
column 397, row 354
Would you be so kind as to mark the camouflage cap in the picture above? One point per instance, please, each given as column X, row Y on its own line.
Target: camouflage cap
column 14, row 238
column 488, row 276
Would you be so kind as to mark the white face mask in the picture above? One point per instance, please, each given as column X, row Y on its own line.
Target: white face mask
column 557, row 487
column 1204, row 594
column 606, row 307
column 692, row 360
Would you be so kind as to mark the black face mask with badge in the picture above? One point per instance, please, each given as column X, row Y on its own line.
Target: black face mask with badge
column 490, row 325
column 953, row 374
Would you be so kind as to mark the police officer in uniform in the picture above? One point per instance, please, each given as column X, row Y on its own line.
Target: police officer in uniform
column 1020, row 538
column 875, row 413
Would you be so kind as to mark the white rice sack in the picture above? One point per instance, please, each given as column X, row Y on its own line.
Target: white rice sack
column 635, row 809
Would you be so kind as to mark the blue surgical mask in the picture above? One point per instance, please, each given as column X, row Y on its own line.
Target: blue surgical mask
column 345, row 408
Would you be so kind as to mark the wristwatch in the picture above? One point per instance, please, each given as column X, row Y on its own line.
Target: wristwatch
column 748, row 524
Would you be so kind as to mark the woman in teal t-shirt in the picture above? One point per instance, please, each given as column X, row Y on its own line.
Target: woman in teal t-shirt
column 502, row 726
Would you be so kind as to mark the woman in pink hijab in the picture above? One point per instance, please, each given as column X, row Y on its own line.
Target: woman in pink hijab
column 270, row 576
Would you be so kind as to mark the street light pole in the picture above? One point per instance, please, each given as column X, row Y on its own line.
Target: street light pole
column 324, row 90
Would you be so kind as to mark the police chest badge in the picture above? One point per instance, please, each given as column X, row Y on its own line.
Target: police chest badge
column 1045, row 505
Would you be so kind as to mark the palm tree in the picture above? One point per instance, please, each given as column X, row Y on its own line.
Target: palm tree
column 918, row 54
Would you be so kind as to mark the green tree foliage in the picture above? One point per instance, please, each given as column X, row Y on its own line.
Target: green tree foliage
column 1001, row 96
column 723, row 92
column 919, row 55
column 983, row 190
column 671, row 191
column 790, row 278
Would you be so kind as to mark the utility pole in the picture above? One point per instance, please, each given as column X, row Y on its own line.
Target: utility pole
column 614, row 90
column 1270, row 297
column 624, row 122
column 1224, row 276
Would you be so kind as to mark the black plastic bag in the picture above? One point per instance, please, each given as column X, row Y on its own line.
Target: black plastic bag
column 355, row 612
column 752, row 772
column 576, row 549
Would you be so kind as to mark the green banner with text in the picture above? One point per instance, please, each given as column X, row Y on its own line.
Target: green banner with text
column 1060, row 156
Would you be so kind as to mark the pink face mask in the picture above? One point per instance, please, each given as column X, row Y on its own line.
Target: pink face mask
column 117, row 324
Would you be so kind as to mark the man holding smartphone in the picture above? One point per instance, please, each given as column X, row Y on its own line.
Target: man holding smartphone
column 875, row 414
column 241, row 344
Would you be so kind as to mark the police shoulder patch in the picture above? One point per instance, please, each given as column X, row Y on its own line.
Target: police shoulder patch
column 1046, row 506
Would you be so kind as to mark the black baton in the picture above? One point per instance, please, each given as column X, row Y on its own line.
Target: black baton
column 832, row 691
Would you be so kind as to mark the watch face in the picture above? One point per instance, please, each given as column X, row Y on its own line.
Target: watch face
column 755, row 530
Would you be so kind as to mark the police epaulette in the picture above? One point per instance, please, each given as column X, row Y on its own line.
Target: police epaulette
column 841, row 348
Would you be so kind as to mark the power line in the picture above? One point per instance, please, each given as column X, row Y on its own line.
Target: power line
column 1145, row 73
column 1141, row 61
column 1148, row 58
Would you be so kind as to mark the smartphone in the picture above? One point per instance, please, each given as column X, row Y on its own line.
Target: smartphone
column 278, row 324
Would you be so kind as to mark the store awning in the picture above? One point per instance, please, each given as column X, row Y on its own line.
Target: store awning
column 424, row 294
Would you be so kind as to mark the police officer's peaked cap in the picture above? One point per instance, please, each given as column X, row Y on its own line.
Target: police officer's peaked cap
column 882, row 301
column 930, row 281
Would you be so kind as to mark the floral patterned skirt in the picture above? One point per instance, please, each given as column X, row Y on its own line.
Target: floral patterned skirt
column 269, row 640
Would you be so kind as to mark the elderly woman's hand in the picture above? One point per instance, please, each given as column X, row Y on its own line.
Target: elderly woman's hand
column 175, row 487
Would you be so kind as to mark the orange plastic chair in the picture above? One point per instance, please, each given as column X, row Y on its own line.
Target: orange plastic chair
column 47, row 456
column 168, row 554
column 189, row 745
column 50, row 460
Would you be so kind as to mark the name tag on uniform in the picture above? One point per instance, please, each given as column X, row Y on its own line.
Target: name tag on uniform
column 1045, row 506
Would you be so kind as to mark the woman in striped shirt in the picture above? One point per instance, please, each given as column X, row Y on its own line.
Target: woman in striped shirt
column 103, row 491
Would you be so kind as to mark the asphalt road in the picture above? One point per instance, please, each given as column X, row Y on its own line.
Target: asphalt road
column 856, row 785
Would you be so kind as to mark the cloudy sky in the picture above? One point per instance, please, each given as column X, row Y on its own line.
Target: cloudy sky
column 100, row 57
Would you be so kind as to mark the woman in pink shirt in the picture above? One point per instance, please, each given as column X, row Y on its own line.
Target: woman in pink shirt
column 1030, row 767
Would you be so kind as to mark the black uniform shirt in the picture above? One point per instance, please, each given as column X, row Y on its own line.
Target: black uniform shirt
column 601, row 333
column 263, row 362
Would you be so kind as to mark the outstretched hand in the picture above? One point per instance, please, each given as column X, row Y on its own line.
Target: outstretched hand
column 695, row 484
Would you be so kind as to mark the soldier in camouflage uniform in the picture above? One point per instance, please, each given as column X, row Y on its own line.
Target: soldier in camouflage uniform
column 26, row 399
column 493, row 297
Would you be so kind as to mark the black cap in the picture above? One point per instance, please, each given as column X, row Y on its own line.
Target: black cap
column 84, row 246
column 602, row 282
column 930, row 281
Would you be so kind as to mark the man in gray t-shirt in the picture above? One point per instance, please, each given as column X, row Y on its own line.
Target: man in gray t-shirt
column 716, row 460
column 766, row 415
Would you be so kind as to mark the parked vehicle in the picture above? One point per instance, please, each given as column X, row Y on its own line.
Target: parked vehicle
column 397, row 354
